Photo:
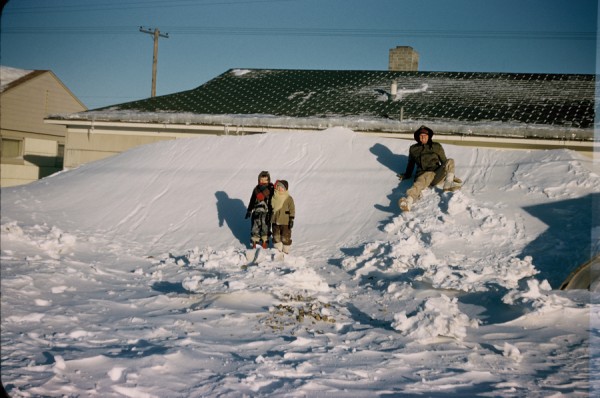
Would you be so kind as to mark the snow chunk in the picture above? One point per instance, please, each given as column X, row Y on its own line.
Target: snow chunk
column 538, row 296
column 59, row 363
column 510, row 351
column 192, row 283
column 306, row 279
column 116, row 373
column 437, row 316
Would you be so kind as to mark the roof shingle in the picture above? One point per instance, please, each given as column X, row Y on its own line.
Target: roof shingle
column 547, row 99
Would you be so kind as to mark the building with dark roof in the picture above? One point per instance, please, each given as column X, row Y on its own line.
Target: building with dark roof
column 462, row 107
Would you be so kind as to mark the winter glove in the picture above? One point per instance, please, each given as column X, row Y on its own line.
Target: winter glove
column 291, row 223
column 248, row 214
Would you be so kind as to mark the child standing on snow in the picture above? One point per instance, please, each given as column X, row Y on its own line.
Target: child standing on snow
column 284, row 212
column 260, row 209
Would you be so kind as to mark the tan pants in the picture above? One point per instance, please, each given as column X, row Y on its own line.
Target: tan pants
column 429, row 179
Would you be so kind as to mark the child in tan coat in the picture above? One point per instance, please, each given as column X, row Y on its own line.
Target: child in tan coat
column 284, row 212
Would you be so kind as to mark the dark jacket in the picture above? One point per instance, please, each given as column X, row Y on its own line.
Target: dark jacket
column 426, row 157
column 261, row 198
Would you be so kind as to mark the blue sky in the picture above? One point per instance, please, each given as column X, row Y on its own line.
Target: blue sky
column 96, row 49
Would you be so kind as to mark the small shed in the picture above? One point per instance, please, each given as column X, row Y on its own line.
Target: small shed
column 31, row 149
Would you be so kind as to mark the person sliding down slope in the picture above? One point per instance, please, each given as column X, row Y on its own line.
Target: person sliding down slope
column 432, row 168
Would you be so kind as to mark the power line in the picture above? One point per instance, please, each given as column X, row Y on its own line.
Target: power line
column 384, row 33
column 146, row 4
column 310, row 32
column 70, row 30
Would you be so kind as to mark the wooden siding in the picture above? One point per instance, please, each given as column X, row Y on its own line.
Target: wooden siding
column 23, row 107
column 84, row 147
column 87, row 142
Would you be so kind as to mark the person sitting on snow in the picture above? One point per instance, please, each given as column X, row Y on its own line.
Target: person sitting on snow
column 284, row 212
column 432, row 167
column 260, row 209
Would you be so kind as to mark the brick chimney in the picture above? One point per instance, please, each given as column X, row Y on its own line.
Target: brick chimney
column 404, row 58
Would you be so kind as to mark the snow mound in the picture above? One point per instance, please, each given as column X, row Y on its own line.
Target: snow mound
column 539, row 297
column 437, row 317
column 51, row 240
column 429, row 240
column 131, row 276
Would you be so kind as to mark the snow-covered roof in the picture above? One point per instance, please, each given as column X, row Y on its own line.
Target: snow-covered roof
column 389, row 100
column 10, row 75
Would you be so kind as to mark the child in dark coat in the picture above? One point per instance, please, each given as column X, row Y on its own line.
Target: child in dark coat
column 260, row 210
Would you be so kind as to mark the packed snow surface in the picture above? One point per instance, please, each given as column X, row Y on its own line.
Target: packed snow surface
column 123, row 277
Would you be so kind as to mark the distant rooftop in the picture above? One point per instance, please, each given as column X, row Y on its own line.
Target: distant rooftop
column 10, row 75
column 460, row 101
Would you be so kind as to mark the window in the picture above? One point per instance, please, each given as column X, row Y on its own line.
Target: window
column 60, row 156
column 11, row 149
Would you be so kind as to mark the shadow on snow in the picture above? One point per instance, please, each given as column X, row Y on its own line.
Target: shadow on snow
column 569, row 240
column 231, row 212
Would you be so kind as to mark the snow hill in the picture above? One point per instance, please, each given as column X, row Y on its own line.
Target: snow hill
column 123, row 277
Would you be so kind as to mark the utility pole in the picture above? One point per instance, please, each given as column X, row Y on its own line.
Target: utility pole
column 156, row 33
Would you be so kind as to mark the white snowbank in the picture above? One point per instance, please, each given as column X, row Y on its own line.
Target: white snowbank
column 124, row 277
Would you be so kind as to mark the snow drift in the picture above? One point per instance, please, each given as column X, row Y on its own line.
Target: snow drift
column 123, row 277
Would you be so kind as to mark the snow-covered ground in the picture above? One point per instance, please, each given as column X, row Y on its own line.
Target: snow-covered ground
column 123, row 278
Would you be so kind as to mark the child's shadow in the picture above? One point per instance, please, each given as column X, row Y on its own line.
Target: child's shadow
column 231, row 212
column 396, row 164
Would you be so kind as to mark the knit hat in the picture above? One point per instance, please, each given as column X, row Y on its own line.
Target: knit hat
column 423, row 130
column 284, row 183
